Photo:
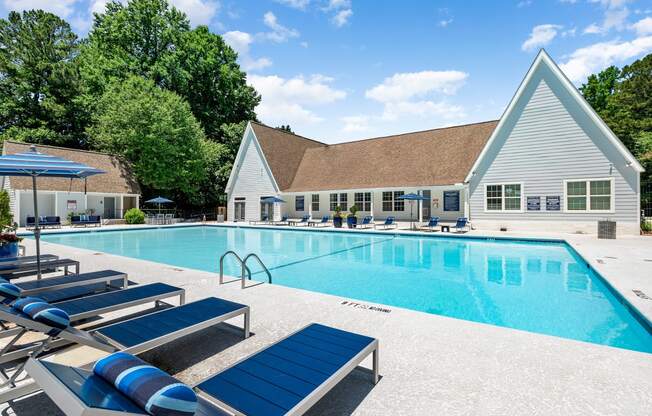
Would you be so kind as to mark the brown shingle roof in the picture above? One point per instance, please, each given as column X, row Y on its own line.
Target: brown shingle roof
column 118, row 178
column 283, row 151
column 432, row 157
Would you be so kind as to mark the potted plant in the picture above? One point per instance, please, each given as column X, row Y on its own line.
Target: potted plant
column 351, row 219
column 337, row 217
column 9, row 243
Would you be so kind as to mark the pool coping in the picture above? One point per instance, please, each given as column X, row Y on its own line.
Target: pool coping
column 638, row 314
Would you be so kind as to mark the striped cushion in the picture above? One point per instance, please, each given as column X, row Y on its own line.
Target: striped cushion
column 8, row 291
column 150, row 388
column 41, row 311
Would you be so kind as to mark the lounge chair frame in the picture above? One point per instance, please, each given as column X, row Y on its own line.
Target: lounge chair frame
column 29, row 268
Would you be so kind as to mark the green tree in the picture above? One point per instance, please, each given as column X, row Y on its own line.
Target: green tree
column 285, row 128
column 39, row 80
column 6, row 217
column 155, row 130
column 151, row 39
column 599, row 87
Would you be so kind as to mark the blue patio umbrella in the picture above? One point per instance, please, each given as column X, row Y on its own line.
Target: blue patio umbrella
column 159, row 200
column 272, row 200
column 36, row 164
column 412, row 197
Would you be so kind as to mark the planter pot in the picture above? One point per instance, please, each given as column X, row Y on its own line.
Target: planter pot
column 337, row 222
column 352, row 222
column 8, row 251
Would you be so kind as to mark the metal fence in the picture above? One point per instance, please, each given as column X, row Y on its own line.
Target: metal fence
column 646, row 199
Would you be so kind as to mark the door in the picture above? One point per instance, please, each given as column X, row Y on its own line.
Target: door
column 109, row 207
column 239, row 211
column 425, row 207
column 266, row 211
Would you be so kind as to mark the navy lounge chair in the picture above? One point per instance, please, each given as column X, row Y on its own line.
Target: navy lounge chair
column 49, row 221
column 27, row 266
column 389, row 223
column 286, row 378
column 135, row 335
column 283, row 221
column 367, row 222
column 85, row 220
column 303, row 221
column 461, row 224
column 432, row 223
column 322, row 223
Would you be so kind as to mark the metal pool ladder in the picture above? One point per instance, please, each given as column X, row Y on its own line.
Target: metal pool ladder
column 245, row 271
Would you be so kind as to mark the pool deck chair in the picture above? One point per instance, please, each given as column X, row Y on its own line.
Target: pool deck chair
column 23, row 268
column 367, row 222
column 59, row 283
column 324, row 222
column 286, row 378
column 432, row 223
column 462, row 224
column 263, row 220
column 390, row 222
column 135, row 335
column 283, row 221
column 303, row 221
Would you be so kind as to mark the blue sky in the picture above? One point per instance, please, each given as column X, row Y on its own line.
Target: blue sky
column 338, row 70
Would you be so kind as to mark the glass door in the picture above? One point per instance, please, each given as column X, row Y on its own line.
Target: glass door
column 239, row 211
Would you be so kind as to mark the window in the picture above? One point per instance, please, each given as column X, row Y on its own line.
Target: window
column 399, row 204
column 588, row 195
column 315, row 202
column 344, row 201
column 363, row 201
column 333, row 198
column 504, row 197
column 299, row 203
column 387, row 201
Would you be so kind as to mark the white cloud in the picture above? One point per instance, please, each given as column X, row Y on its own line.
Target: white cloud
column 445, row 22
column 615, row 17
column 62, row 8
column 524, row 3
column 200, row 12
column 240, row 42
column 338, row 4
column 588, row 60
column 404, row 86
column 286, row 100
column 425, row 108
column 342, row 17
column 355, row 124
column 295, row 4
column 592, row 29
column 279, row 32
column 304, row 44
column 643, row 26
column 540, row 36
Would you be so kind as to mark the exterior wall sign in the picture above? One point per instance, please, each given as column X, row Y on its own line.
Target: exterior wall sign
column 72, row 205
column 534, row 203
column 553, row 203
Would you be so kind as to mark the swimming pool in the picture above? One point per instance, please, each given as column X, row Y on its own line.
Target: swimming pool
column 542, row 287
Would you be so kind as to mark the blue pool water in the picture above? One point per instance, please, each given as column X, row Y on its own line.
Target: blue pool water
column 541, row 287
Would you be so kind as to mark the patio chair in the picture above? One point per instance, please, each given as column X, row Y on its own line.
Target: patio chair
column 432, row 223
column 390, row 222
column 135, row 335
column 160, row 219
column 263, row 220
column 367, row 222
column 461, row 224
column 169, row 218
column 286, row 378
column 303, row 221
column 53, row 221
column 28, row 267
column 324, row 222
column 284, row 221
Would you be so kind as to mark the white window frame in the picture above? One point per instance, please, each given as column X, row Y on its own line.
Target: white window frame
column 588, row 209
column 502, row 198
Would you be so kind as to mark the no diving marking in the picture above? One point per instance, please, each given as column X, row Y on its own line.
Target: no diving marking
column 365, row 306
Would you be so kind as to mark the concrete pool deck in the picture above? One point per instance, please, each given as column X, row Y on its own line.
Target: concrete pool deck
column 430, row 364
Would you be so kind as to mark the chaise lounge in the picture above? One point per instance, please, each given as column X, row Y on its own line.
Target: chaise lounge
column 286, row 378
column 432, row 223
column 367, row 222
column 324, row 222
column 303, row 221
column 390, row 222
column 28, row 266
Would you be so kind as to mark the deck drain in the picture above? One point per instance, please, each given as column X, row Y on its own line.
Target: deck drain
column 600, row 261
column 176, row 269
column 98, row 254
column 650, row 260
column 641, row 295
column 611, row 257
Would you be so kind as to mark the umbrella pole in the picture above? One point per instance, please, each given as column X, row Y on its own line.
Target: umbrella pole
column 37, row 231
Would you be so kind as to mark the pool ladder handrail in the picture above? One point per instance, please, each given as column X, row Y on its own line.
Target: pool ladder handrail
column 243, row 264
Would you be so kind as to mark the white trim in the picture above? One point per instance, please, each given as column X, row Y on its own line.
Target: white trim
column 544, row 58
column 588, row 210
column 502, row 198
column 237, row 163
column 385, row 188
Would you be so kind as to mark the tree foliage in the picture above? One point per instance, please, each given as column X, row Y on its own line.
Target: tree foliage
column 599, row 87
column 151, row 39
column 39, row 80
column 155, row 130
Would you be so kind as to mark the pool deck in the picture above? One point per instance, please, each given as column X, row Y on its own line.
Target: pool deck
column 430, row 364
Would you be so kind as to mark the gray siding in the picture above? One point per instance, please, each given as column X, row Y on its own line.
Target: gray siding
column 251, row 180
column 548, row 138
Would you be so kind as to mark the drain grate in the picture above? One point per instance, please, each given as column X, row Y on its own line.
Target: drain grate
column 641, row 294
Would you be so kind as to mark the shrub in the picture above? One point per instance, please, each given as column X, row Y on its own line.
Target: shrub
column 646, row 226
column 134, row 216
column 6, row 218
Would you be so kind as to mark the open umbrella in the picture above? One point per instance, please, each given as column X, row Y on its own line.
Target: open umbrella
column 37, row 164
column 159, row 200
column 272, row 200
column 412, row 197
